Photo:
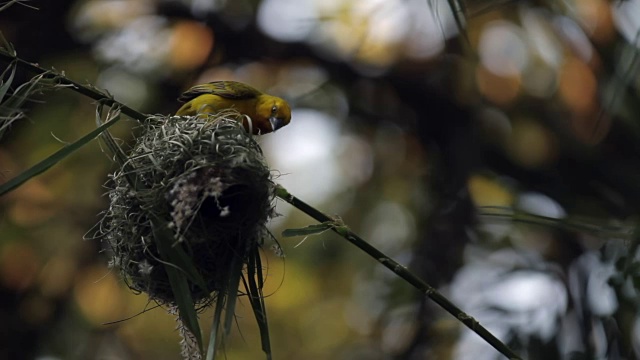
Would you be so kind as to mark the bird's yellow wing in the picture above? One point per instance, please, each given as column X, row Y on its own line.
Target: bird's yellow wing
column 266, row 113
column 224, row 89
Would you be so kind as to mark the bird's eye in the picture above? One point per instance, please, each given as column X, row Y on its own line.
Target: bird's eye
column 274, row 109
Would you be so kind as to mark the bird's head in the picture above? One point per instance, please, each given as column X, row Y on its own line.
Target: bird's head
column 274, row 110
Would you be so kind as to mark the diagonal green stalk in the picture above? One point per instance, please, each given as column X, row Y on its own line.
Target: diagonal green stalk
column 5, row 85
column 458, row 11
column 62, row 80
column 8, row 55
column 53, row 159
column 178, row 281
column 586, row 225
column 13, row 2
column 400, row 270
column 215, row 337
column 253, row 285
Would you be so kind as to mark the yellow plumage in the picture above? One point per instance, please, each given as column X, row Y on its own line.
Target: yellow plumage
column 268, row 113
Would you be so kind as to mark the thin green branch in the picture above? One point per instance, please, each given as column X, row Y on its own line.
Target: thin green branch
column 400, row 270
column 253, row 286
column 62, row 80
column 459, row 16
column 53, row 159
column 13, row 2
column 8, row 54
column 595, row 227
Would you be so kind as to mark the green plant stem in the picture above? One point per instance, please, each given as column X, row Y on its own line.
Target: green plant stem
column 51, row 160
column 586, row 225
column 401, row 271
column 64, row 81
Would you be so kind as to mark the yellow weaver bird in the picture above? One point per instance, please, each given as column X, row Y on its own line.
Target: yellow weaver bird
column 268, row 113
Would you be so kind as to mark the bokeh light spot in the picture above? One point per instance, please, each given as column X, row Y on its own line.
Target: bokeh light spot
column 578, row 86
column 531, row 145
column 286, row 20
column 93, row 18
column 191, row 44
column 306, row 159
column 626, row 15
column 488, row 192
column 19, row 266
column 540, row 204
column 498, row 89
column 32, row 204
column 98, row 295
column 541, row 36
column 596, row 17
column 56, row 276
column 502, row 49
column 128, row 88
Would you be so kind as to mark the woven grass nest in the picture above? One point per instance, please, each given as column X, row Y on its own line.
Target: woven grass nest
column 203, row 179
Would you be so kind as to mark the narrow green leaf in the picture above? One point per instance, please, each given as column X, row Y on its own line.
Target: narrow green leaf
column 179, row 286
column 5, row 85
column 8, row 4
column 180, row 259
column 118, row 154
column 235, row 273
column 13, row 103
column 592, row 226
column 458, row 11
column 24, row 91
column 13, row 2
column 9, row 116
column 215, row 328
column 6, row 47
column 52, row 160
column 309, row 230
column 256, row 297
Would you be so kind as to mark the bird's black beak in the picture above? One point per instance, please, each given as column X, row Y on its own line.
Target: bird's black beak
column 276, row 123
